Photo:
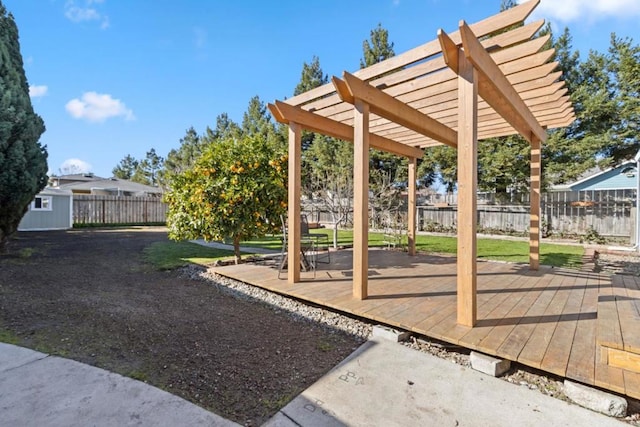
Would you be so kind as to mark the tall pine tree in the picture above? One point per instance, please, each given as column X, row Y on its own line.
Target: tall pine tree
column 383, row 166
column 183, row 158
column 126, row 168
column 377, row 48
column 310, row 78
column 23, row 160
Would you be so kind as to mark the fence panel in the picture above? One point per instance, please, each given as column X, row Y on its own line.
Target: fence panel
column 96, row 209
column 608, row 212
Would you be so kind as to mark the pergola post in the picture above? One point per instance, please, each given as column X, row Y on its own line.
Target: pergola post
column 411, row 208
column 360, row 199
column 293, row 244
column 534, row 198
column 467, row 191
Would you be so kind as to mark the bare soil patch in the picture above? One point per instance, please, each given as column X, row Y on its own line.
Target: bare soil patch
column 88, row 295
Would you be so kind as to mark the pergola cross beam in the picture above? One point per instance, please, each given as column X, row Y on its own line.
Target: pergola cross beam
column 285, row 113
column 385, row 105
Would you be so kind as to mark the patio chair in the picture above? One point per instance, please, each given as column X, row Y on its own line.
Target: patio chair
column 308, row 252
column 321, row 241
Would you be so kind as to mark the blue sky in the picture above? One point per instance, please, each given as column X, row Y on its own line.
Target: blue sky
column 118, row 77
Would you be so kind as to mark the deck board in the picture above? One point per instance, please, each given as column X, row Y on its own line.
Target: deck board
column 547, row 319
column 522, row 331
column 498, row 335
column 628, row 314
column 582, row 359
column 556, row 358
column 537, row 345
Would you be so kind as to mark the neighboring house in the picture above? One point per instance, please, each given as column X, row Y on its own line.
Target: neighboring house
column 57, row 181
column 51, row 209
column 621, row 177
column 112, row 187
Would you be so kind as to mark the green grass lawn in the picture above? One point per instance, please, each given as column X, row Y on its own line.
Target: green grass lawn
column 490, row 249
column 170, row 255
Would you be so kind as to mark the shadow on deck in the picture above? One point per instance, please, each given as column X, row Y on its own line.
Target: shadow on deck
column 576, row 324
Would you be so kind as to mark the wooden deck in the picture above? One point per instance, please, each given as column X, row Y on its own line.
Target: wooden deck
column 580, row 325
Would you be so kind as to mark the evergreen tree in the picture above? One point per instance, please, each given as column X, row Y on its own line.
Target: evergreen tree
column 23, row 160
column 225, row 129
column 126, row 168
column 383, row 165
column 148, row 170
column 183, row 158
column 312, row 77
column 377, row 49
column 256, row 120
column 568, row 59
column 440, row 161
column 624, row 66
column 256, row 123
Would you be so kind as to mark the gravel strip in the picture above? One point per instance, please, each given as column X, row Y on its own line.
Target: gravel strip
column 619, row 263
column 519, row 375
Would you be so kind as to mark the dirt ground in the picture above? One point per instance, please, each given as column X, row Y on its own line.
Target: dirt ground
column 89, row 296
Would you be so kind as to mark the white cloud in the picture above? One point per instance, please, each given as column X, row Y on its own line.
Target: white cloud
column 37, row 91
column 85, row 10
column 591, row 10
column 97, row 107
column 71, row 166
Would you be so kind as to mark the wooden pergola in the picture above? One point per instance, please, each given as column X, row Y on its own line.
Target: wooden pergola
column 485, row 80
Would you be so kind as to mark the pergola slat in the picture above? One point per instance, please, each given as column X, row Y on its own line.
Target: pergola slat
column 506, row 19
column 433, row 85
column 392, row 109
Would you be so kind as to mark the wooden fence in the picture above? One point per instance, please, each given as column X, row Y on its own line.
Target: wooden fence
column 118, row 210
column 610, row 213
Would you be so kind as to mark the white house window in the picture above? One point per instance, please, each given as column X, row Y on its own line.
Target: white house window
column 41, row 203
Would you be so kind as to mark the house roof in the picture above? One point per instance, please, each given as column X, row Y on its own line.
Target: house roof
column 79, row 177
column 590, row 175
column 414, row 96
column 50, row 191
column 113, row 184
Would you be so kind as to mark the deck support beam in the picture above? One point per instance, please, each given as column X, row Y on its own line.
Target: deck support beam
column 411, row 214
column 294, row 193
column 534, row 197
column 360, row 199
column 467, row 191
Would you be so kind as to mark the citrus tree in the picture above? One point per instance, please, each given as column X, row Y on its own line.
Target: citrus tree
column 236, row 190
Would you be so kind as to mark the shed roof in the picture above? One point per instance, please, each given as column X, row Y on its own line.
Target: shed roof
column 50, row 191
